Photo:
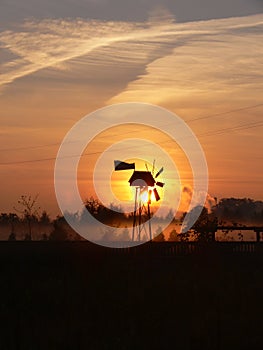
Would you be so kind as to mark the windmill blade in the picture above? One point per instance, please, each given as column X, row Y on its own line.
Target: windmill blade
column 146, row 166
column 160, row 184
column 159, row 172
column 153, row 168
column 150, row 197
column 156, row 195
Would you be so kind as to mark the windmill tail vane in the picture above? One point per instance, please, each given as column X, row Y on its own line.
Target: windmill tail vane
column 119, row 165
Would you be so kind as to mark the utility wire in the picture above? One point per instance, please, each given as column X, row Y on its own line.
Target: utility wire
column 216, row 132
column 132, row 132
column 213, row 133
column 224, row 113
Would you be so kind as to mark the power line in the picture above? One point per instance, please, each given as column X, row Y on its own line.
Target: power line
column 234, row 128
column 29, row 147
column 216, row 132
column 224, row 113
column 213, row 133
column 131, row 132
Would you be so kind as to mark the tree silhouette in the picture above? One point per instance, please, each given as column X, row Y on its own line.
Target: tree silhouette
column 10, row 219
column 29, row 211
column 44, row 218
column 159, row 236
column 59, row 232
column 112, row 215
column 173, row 236
column 184, row 236
column 205, row 226
column 203, row 229
column 239, row 210
column 44, row 237
column 12, row 237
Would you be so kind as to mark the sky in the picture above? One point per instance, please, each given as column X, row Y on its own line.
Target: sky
column 61, row 60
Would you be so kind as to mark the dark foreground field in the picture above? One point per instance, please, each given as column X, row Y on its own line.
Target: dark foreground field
column 74, row 295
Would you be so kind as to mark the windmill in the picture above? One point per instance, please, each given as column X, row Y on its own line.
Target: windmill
column 145, row 183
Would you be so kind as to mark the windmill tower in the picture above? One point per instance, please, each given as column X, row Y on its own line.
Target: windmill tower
column 145, row 184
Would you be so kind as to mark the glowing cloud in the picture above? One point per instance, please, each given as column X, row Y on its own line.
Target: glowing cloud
column 49, row 43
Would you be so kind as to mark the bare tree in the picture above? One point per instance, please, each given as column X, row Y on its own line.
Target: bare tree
column 29, row 211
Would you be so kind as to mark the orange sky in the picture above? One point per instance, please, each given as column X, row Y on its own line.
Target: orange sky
column 207, row 72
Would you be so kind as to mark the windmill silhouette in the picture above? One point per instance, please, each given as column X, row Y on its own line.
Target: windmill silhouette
column 145, row 184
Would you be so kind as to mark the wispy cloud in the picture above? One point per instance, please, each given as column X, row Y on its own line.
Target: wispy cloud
column 210, row 61
column 47, row 43
column 42, row 44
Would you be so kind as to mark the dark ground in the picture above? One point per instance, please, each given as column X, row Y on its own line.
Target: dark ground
column 74, row 295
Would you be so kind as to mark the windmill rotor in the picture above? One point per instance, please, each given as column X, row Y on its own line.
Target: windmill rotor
column 157, row 183
column 145, row 179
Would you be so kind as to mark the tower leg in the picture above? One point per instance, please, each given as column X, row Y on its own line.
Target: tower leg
column 149, row 221
column 140, row 219
column 134, row 214
column 140, row 213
